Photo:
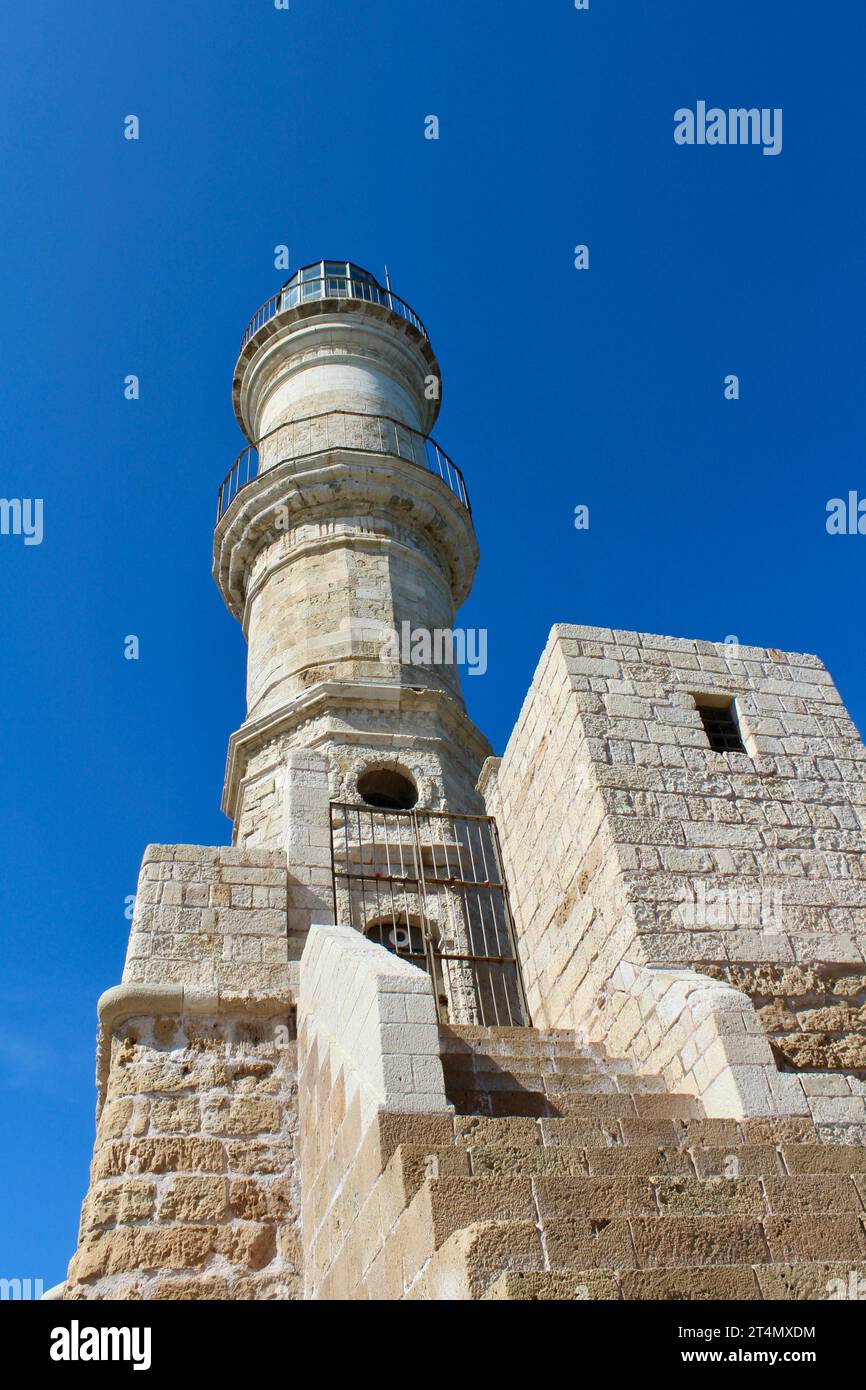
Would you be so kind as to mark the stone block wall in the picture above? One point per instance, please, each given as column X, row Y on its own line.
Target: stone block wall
column 194, row 1189
column 660, row 888
column 210, row 915
column 368, row 1049
column 194, row 1182
column 226, row 917
column 815, row 1013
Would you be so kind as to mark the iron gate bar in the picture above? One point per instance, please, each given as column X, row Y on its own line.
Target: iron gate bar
column 374, row 850
column 425, row 921
column 413, row 878
column 495, row 960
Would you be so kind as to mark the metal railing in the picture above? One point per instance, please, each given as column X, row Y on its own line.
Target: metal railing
column 339, row 429
column 429, row 886
column 331, row 287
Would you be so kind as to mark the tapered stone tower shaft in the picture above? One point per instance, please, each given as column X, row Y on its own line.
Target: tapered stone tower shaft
column 343, row 523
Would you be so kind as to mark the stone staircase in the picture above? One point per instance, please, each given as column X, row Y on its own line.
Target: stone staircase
column 571, row 1176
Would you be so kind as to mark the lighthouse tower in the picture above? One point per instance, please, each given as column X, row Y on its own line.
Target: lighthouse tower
column 342, row 530
column 338, row 1065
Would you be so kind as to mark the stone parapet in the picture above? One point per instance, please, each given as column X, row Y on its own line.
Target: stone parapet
column 372, row 1019
column 193, row 1184
column 212, row 917
column 368, row 1048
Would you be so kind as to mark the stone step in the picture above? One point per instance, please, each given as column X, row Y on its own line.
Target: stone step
column 809, row 1280
column 600, row 1107
column 617, row 1161
column 647, row 1160
column 549, row 1073
column 553, row 1083
column 529, row 1081
column 565, row 1045
column 507, row 1055
column 459, row 1063
column 635, row 1146
column 478, row 1035
column 557, row 1041
column 500, row 1103
column 588, row 1180
column 643, row 1148
column 669, row 1238
column 680, row 1240
column 572, row 1194
column 534, row 1077
column 533, row 1061
column 523, row 1069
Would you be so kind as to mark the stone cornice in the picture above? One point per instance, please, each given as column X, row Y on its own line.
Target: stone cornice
column 487, row 778
column 332, row 695
column 343, row 480
column 122, row 1002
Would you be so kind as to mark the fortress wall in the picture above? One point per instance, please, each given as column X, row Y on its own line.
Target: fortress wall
column 370, row 1081
column 210, row 916
column 194, row 1187
column 628, row 840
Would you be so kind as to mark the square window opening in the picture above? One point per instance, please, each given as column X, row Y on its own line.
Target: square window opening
column 721, row 726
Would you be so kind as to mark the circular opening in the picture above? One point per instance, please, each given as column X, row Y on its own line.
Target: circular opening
column 387, row 790
column 398, row 936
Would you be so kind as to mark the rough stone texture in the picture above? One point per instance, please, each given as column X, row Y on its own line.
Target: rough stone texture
column 659, row 887
column 194, row 1185
column 368, row 1047
column 814, row 1013
column 578, row 1201
column 215, row 917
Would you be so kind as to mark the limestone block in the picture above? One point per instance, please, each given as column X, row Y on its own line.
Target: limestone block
column 776, row 820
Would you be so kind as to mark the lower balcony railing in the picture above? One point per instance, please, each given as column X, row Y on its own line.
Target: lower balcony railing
column 339, row 429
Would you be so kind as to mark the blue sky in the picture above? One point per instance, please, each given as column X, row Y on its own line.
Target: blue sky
column 261, row 127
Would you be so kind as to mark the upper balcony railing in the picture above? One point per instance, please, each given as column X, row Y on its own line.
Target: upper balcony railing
column 331, row 280
column 339, row 429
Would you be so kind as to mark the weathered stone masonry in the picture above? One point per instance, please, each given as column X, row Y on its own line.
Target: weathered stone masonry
column 194, row 1185
column 617, row 818
column 281, row 1113
column 343, row 534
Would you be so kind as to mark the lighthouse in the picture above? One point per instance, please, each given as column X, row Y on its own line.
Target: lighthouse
column 341, row 525
column 342, row 520
column 350, row 1056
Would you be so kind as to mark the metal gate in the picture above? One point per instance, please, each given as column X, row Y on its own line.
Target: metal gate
column 429, row 887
